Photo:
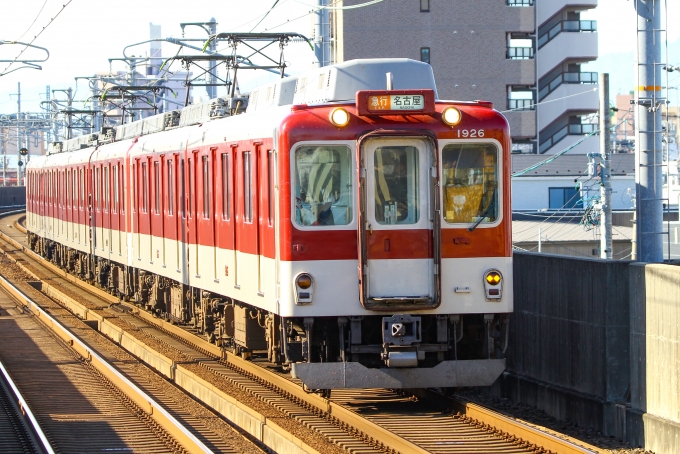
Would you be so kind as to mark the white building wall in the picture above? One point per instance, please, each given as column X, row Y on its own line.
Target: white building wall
column 532, row 193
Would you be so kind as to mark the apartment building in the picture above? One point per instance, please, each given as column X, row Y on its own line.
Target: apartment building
column 523, row 55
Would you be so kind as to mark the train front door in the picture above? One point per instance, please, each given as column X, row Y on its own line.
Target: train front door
column 398, row 228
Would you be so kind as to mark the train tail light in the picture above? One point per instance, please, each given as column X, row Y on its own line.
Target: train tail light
column 493, row 285
column 304, row 288
column 339, row 117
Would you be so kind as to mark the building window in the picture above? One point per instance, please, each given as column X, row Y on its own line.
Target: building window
column 424, row 6
column 521, row 99
column 564, row 198
column 425, row 54
column 519, row 2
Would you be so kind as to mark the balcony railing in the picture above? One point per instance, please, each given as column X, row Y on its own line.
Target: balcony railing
column 520, row 53
column 519, row 2
column 521, row 104
column 575, row 130
column 567, row 26
column 567, row 78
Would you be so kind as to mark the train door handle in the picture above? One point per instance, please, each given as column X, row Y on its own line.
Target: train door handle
column 370, row 229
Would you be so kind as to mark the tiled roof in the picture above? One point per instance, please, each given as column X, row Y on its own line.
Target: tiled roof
column 570, row 165
column 551, row 230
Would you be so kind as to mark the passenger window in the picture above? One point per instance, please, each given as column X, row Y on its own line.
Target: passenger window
column 171, row 189
column 470, row 183
column 226, row 189
column 323, row 185
column 157, row 187
column 396, row 185
column 206, row 188
column 247, row 188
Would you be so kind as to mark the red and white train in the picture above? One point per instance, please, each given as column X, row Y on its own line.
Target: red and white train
column 358, row 235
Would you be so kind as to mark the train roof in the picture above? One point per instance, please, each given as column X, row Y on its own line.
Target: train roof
column 335, row 83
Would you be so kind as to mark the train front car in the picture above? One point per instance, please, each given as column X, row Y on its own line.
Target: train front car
column 395, row 243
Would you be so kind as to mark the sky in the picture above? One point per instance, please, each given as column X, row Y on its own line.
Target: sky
column 85, row 33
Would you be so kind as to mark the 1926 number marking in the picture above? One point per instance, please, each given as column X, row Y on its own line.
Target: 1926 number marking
column 470, row 133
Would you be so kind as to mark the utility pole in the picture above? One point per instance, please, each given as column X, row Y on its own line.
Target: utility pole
column 18, row 131
column 212, row 77
column 4, row 156
column 648, row 128
column 605, row 171
column 321, row 34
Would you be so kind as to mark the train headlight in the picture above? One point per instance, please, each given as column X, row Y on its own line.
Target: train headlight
column 451, row 116
column 304, row 288
column 339, row 117
column 493, row 285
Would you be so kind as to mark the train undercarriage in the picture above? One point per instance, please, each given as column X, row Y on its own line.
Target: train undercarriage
column 391, row 341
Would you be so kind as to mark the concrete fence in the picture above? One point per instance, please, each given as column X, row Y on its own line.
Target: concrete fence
column 598, row 343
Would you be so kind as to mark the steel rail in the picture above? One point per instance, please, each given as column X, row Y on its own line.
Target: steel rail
column 34, row 426
column 143, row 400
column 471, row 410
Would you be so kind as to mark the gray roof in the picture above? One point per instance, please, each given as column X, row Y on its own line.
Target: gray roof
column 556, row 231
column 569, row 164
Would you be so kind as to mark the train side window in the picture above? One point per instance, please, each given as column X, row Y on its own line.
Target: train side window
column 133, row 197
column 192, row 188
column 470, row 183
column 107, row 192
column 182, row 191
column 121, row 182
column 157, row 187
column 323, row 185
column 171, row 189
column 98, row 184
column 226, row 190
column 114, row 208
column 271, row 167
column 145, row 189
column 68, row 189
column 206, row 187
column 247, row 188
column 82, row 187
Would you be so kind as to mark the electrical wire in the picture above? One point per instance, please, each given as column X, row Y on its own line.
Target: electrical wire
column 36, row 18
column 552, row 100
column 361, row 5
column 36, row 37
column 265, row 15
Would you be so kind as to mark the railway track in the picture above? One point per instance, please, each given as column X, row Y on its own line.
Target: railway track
column 20, row 430
column 352, row 421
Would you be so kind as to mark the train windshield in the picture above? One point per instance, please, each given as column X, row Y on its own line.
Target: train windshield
column 323, row 185
column 470, row 183
column 396, row 185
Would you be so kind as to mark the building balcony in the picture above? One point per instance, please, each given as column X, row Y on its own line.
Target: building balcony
column 519, row 18
column 522, row 123
column 520, row 72
column 576, row 47
column 546, row 9
column 519, row 53
column 576, row 99
column 567, row 137
column 519, row 2
column 567, row 78
column 569, row 26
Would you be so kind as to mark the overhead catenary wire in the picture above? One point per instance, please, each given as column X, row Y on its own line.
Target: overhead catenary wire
column 34, row 20
column 4, row 71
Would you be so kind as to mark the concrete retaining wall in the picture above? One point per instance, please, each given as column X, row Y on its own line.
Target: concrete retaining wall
column 568, row 353
column 598, row 343
column 12, row 196
column 654, row 419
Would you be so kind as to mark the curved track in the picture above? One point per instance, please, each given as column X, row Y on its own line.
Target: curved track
column 354, row 420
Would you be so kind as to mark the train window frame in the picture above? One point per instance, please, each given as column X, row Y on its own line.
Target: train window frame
column 107, row 187
column 171, row 187
column 114, row 208
column 226, row 187
column 145, row 188
column 98, row 187
column 157, row 187
column 501, row 190
column 354, row 184
column 247, row 187
column 205, row 161
column 271, row 186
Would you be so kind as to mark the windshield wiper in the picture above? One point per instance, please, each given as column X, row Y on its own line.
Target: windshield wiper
column 483, row 215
